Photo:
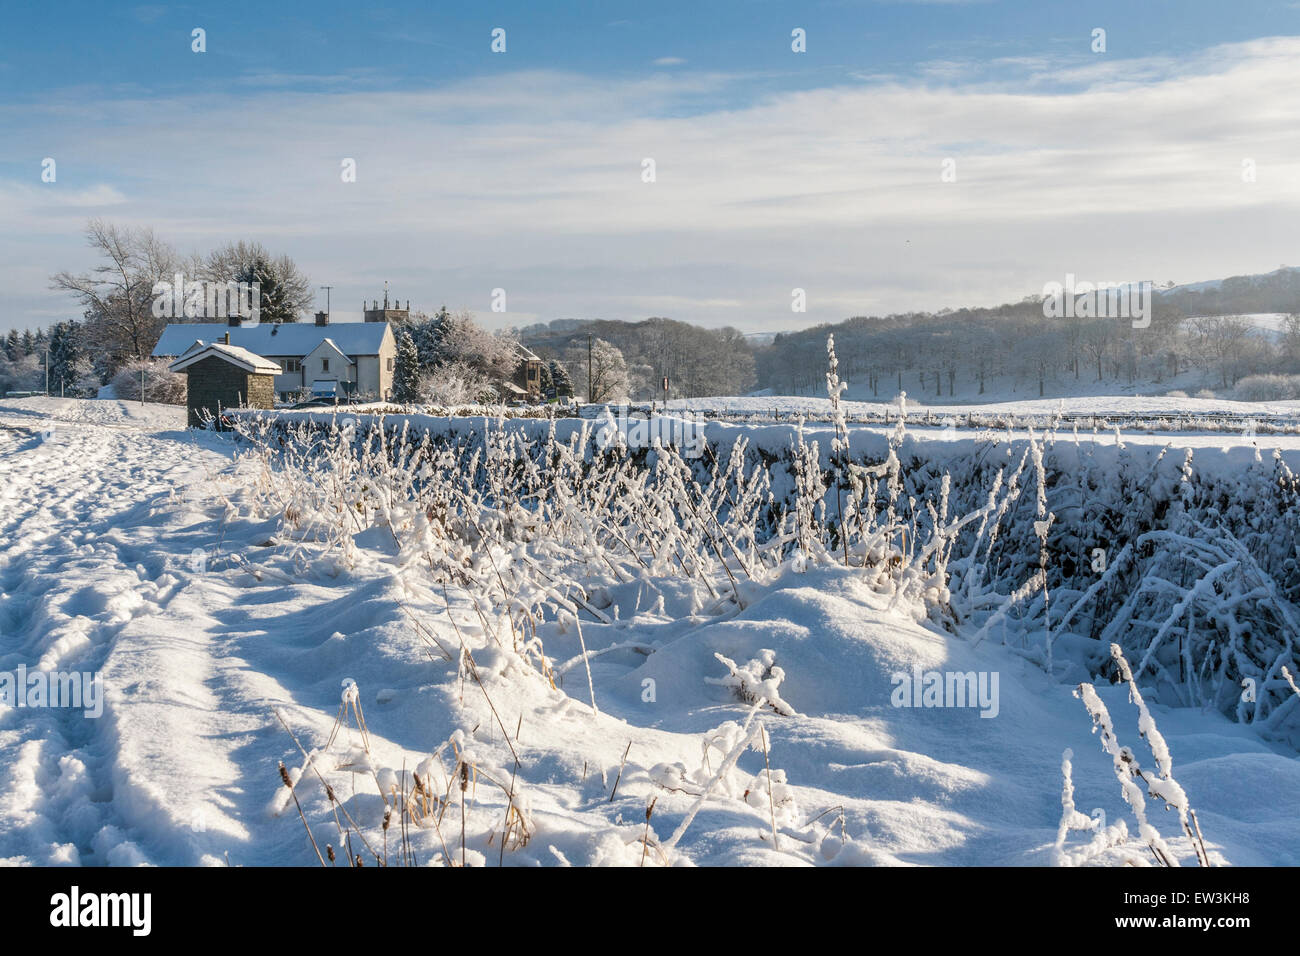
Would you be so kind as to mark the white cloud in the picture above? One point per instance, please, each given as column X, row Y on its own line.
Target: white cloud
column 532, row 182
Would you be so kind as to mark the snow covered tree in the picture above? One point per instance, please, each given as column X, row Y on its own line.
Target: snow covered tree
column 68, row 364
column 285, row 290
column 456, row 339
column 600, row 372
column 25, row 374
column 406, row 371
column 12, row 345
column 464, row 340
column 560, row 379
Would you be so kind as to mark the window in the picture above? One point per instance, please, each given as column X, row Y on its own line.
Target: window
column 324, row 365
column 390, row 365
column 291, row 366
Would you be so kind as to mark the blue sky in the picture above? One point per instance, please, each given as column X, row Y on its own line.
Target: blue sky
column 774, row 170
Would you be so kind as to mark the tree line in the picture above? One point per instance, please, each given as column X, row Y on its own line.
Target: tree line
column 977, row 350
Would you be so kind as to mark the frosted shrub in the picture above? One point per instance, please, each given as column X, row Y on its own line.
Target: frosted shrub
column 160, row 384
column 759, row 679
column 1267, row 388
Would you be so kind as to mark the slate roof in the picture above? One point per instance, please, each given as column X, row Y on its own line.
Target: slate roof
column 294, row 339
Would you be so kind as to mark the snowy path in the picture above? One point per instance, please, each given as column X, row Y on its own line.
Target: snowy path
column 81, row 561
column 99, row 520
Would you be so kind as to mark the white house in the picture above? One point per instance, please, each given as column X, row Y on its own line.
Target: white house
column 346, row 358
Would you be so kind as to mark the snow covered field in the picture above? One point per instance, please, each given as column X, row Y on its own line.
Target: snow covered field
column 227, row 627
column 1122, row 407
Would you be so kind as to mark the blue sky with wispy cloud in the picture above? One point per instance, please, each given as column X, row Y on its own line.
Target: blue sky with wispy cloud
column 775, row 170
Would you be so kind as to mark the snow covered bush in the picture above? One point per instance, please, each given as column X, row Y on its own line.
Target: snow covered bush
column 455, row 383
column 160, row 385
column 1267, row 388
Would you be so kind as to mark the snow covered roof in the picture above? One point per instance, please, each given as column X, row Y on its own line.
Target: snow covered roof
column 293, row 339
column 248, row 361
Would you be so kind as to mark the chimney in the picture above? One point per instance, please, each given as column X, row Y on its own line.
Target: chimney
column 233, row 321
column 322, row 318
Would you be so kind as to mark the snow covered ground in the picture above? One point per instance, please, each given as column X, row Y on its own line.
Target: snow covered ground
column 144, row 552
column 1124, row 406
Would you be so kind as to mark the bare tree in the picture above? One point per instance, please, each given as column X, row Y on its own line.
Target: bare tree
column 1097, row 337
column 1227, row 337
column 117, row 294
column 608, row 378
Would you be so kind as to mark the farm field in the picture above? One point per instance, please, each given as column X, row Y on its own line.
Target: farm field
column 248, row 605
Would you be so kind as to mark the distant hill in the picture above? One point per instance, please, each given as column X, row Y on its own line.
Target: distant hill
column 1276, row 291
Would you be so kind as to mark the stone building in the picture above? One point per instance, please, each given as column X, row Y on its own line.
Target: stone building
column 343, row 360
column 221, row 376
column 394, row 315
column 528, row 374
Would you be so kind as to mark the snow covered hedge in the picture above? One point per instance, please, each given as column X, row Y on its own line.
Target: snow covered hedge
column 1186, row 561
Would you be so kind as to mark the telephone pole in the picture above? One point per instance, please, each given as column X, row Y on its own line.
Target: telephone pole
column 590, row 385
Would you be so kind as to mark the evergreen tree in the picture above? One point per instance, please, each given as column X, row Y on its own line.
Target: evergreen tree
column 406, row 373
column 429, row 335
column 66, row 359
column 560, row 376
column 12, row 346
column 277, row 303
column 28, row 342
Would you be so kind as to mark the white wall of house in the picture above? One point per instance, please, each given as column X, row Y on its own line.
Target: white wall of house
column 368, row 379
column 384, row 363
column 286, row 381
column 326, row 363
